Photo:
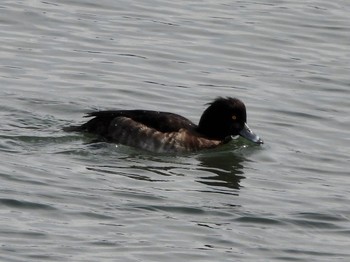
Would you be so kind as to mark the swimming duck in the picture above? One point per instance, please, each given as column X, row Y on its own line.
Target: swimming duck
column 167, row 132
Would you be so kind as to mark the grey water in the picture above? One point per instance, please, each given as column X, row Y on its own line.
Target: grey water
column 65, row 199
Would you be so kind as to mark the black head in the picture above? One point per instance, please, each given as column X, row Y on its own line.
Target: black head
column 226, row 117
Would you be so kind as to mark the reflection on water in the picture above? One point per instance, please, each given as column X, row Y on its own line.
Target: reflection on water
column 218, row 168
column 226, row 169
column 288, row 61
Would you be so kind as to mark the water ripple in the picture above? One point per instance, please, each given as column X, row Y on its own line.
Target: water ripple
column 24, row 204
column 65, row 199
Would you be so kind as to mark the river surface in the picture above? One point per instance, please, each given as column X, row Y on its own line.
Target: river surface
column 65, row 199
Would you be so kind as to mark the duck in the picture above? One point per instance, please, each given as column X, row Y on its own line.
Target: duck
column 165, row 132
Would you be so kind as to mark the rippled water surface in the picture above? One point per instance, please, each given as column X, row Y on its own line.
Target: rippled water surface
column 65, row 199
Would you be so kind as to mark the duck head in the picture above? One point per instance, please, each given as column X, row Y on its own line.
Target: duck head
column 224, row 118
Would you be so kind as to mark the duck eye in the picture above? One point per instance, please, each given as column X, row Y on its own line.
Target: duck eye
column 234, row 117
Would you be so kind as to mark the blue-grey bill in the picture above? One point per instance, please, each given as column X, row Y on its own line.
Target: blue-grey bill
column 247, row 133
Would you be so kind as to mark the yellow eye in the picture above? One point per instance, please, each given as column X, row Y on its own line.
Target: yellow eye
column 234, row 117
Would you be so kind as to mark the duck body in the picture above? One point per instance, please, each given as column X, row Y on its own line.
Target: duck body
column 167, row 132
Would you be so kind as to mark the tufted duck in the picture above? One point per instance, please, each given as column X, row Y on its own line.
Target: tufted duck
column 168, row 132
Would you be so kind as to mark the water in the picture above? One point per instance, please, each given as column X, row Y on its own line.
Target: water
column 63, row 199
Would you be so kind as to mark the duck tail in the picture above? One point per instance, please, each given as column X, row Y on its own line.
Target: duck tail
column 73, row 128
column 98, row 125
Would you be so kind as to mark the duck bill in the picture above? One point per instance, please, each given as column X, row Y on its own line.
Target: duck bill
column 247, row 133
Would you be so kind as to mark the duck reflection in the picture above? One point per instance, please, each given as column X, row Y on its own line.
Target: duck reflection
column 220, row 169
column 226, row 169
